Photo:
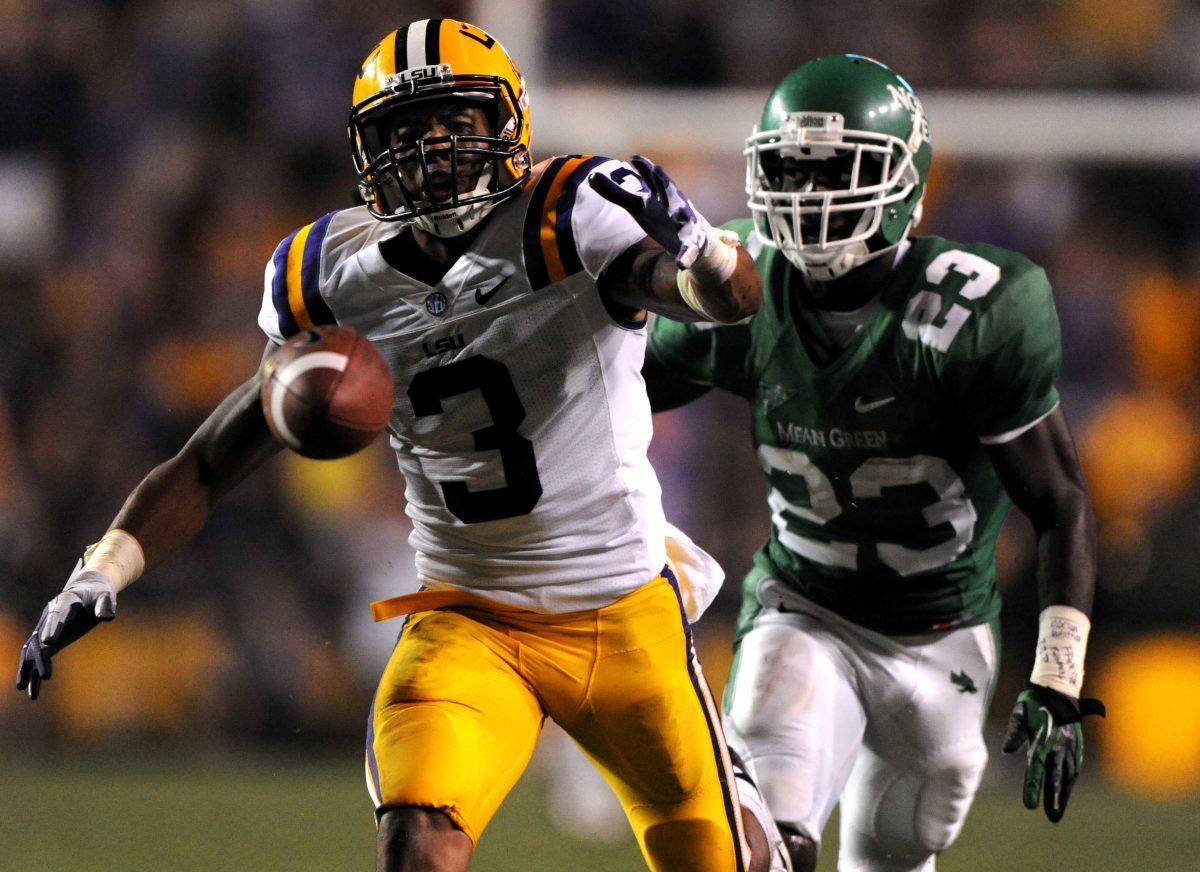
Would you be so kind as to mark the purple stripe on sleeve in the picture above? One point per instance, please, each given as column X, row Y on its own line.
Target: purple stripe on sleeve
column 535, row 261
column 564, row 233
column 310, row 273
column 279, row 291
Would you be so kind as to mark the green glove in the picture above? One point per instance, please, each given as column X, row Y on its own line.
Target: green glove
column 1051, row 722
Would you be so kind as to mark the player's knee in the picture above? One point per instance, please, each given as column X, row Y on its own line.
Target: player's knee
column 413, row 838
column 690, row 843
column 945, row 798
column 780, row 669
column 801, row 849
column 907, row 820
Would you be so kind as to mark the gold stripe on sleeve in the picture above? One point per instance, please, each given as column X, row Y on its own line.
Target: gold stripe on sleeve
column 295, row 260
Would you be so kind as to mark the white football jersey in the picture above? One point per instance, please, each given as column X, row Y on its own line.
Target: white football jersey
column 521, row 421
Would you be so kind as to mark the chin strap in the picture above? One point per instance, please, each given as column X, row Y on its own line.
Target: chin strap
column 853, row 257
column 454, row 222
column 845, row 260
column 458, row 220
column 847, row 257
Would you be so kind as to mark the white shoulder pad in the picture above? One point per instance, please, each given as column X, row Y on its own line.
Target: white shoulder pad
column 301, row 272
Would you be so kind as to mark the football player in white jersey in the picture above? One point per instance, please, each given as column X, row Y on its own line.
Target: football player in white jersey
column 510, row 301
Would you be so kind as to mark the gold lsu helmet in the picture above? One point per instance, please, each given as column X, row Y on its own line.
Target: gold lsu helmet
column 438, row 58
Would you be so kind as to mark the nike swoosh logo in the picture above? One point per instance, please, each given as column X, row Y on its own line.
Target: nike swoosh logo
column 482, row 298
column 1048, row 727
column 861, row 407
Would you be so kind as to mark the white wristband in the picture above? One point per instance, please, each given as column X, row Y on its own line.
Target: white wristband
column 1061, row 646
column 711, row 269
column 119, row 556
column 719, row 260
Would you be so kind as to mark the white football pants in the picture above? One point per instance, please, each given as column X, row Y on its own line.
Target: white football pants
column 822, row 709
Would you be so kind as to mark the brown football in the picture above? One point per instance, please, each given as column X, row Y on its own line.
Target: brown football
column 327, row 392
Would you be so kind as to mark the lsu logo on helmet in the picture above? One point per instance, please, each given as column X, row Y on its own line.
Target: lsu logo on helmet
column 438, row 59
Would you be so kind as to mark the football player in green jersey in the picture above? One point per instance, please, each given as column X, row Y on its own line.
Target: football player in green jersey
column 902, row 392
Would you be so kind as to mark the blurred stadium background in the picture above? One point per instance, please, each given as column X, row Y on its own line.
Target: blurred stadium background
column 153, row 152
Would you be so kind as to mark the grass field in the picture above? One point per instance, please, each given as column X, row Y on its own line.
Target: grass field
column 269, row 813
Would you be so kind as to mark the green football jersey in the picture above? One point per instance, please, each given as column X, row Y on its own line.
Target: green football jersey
column 885, row 507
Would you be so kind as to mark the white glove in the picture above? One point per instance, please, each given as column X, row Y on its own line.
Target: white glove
column 89, row 598
column 87, row 591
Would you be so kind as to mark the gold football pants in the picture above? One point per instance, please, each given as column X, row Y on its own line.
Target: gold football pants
column 461, row 703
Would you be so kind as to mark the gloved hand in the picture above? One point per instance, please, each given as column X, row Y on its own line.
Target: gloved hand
column 88, row 598
column 1051, row 722
column 661, row 209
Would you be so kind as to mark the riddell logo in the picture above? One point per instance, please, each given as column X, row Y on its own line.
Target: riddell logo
column 813, row 123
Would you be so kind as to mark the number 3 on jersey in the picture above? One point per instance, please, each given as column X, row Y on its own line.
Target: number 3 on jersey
column 522, row 488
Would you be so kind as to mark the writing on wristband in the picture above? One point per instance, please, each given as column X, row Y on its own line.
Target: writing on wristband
column 1061, row 647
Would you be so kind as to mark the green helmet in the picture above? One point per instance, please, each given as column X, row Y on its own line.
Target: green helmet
column 836, row 171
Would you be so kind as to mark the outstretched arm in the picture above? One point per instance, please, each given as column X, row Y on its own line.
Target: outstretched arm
column 169, row 506
column 1041, row 473
column 172, row 503
column 647, row 277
